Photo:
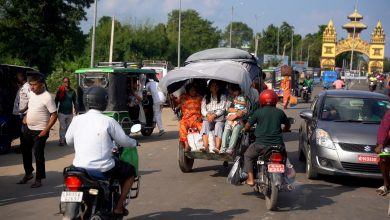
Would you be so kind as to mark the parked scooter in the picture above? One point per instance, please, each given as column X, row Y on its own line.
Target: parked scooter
column 88, row 194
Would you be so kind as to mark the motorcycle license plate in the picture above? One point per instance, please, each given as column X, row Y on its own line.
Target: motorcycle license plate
column 275, row 168
column 368, row 159
column 71, row 196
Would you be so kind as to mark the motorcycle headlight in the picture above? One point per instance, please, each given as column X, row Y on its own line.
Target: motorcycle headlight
column 323, row 139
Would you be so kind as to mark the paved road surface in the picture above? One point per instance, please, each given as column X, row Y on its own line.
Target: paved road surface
column 166, row 193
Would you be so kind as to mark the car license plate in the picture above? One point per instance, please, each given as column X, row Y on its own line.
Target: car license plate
column 71, row 196
column 275, row 168
column 368, row 159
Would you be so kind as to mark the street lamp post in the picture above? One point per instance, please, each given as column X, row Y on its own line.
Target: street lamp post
column 231, row 29
column 93, row 35
column 292, row 47
column 178, row 38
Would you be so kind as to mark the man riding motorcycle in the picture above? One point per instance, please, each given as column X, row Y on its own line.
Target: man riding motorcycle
column 308, row 82
column 268, row 130
column 92, row 135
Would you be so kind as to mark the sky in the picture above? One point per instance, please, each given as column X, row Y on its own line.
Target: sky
column 304, row 15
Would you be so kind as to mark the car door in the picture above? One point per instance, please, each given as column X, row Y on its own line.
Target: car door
column 311, row 124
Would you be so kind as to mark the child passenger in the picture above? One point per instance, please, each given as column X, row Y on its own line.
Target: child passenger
column 233, row 124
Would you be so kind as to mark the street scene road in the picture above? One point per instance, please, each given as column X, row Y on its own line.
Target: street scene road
column 167, row 193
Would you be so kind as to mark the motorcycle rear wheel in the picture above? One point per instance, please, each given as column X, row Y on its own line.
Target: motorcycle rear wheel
column 271, row 196
column 71, row 211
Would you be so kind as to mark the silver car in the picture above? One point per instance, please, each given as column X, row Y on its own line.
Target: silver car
column 338, row 134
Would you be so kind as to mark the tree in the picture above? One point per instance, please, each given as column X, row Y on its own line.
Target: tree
column 196, row 34
column 39, row 32
column 242, row 35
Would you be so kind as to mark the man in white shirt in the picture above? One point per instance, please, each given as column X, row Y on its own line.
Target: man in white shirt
column 41, row 116
column 158, row 101
column 20, row 102
column 92, row 135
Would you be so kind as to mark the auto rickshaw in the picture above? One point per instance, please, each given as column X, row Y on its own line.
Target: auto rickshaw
column 10, row 126
column 223, row 64
column 117, row 78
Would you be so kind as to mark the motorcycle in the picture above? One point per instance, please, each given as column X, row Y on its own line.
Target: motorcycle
column 273, row 173
column 381, row 84
column 88, row 194
column 306, row 94
column 372, row 86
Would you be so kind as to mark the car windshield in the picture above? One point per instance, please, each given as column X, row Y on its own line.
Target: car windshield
column 360, row 110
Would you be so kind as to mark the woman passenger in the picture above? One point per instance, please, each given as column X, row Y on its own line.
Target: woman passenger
column 190, row 104
column 213, row 111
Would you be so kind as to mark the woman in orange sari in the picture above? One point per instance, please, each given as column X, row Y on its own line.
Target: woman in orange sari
column 190, row 104
column 286, row 86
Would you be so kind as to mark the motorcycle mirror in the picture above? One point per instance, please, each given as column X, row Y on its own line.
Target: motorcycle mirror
column 135, row 128
column 291, row 120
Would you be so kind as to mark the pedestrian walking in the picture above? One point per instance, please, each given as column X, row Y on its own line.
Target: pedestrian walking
column 41, row 116
column 158, row 100
column 286, row 86
column 20, row 102
column 65, row 100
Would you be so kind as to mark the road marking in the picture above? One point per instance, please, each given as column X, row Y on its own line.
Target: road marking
column 27, row 196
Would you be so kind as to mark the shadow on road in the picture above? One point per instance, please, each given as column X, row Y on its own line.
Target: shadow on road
column 52, row 152
column 169, row 135
column 220, row 171
column 189, row 213
column 16, row 193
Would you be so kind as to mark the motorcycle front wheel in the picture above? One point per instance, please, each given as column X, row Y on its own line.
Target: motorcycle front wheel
column 271, row 196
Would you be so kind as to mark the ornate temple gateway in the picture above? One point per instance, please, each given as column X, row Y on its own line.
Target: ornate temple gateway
column 374, row 50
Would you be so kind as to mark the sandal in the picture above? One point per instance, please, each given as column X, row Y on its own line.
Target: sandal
column 25, row 179
column 382, row 191
column 216, row 150
column 124, row 212
column 204, row 149
column 37, row 184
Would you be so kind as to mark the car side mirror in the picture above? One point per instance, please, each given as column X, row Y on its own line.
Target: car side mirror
column 307, row 114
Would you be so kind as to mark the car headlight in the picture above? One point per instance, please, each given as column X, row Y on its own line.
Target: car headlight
column 323, row 139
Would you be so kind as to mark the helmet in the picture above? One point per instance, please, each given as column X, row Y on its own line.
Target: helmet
column 268, row 97
column 96, row 98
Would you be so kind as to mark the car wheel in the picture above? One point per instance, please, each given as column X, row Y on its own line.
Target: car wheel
column 311, row 172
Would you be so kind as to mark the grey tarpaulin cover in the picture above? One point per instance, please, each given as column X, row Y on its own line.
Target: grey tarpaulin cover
column 224, row 70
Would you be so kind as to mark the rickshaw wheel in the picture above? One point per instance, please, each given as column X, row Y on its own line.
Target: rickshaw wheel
column 185, row 163
column 147, row 131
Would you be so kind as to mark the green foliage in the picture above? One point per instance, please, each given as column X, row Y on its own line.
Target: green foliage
column 196, row 34
column 54, row 80
column 35, row 32
column 242, row 35
column 386, row 65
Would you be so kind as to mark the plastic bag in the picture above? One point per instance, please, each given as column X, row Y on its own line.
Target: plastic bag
column 130, row 155
column 194, row 139
column 235, row 173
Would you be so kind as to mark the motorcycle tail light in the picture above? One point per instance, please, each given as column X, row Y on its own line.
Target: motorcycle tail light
column 73, row 183
column 276, row 157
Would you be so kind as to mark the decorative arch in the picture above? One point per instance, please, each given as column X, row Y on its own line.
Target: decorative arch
column 374, row 50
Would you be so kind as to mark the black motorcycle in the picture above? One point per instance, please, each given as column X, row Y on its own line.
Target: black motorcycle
column 273, row 173
column 306, row 93
column 372, row 86
column 88, row 194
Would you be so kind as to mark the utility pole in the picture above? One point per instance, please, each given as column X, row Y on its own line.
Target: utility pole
column 308, row 54
column 231, row 29
column 256, row 38
column 178, row 38
column 277, row 44
column 112, row 39
column 292, row 47
column 93, row 35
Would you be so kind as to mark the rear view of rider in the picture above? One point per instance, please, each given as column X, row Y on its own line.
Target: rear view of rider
column 268, row 130
column 92, row 134
column 308, row 82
